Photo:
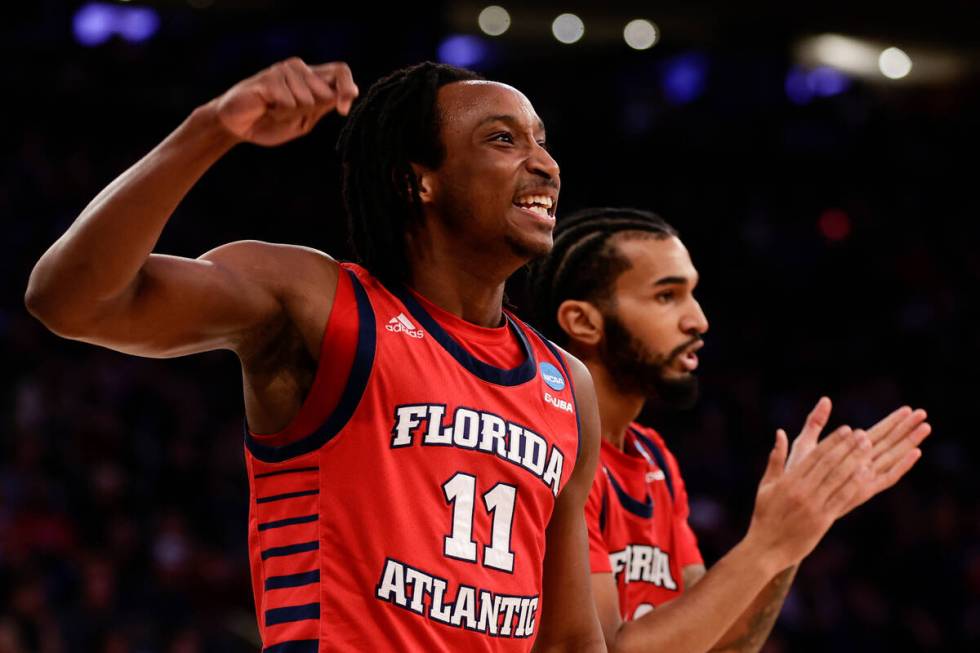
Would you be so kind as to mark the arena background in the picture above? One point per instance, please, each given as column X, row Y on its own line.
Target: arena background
column 833, row 216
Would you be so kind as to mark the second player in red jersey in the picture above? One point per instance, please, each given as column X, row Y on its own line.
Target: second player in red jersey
column 618, row 290
column 637, row 518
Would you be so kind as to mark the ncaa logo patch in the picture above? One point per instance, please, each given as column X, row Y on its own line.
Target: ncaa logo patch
column 552, row 377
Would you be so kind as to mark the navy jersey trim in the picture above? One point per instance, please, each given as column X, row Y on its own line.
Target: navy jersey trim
column 287, row 495
column 642, row 509
column 349, row 400
column 605, row 509
column 658, row 455
column 292, row 580
column 483, row 371
column 294, row 646
column 290, row 549
column 291, row 521
column 292, row 613
column 561, row 361
column 295, row 470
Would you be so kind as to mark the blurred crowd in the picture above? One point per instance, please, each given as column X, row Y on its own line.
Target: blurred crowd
column 837, row 247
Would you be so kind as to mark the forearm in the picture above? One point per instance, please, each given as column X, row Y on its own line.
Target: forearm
column 751, row 630
column 697, row 619
column 101, row 254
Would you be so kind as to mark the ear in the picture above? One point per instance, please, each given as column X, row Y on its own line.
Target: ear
column 425, row 181
column 582, row 321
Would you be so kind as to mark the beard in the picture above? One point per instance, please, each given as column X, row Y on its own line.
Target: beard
column 638, row 371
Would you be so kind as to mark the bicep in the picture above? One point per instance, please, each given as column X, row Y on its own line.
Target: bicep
column 180, row 306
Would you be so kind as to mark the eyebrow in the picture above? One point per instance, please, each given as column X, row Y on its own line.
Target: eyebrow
column 669, row 281
column 509, row 119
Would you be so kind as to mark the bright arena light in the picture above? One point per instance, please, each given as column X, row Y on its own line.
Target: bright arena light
column 844, row 53
column 894, row 64
column 568, row 28
column 462, row 50
column 494, row 20
column 641, row 34
column 97, row 22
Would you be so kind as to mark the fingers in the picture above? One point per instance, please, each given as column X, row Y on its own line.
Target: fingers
column 897, row 471
column 843, row 461
column 294, row 84
column 294, row 72
column 322, row 91
column 815, row 423
column 885, row 426
column 276, row 93
column 829, row 449
column 911, row 423
column 777, row 458
column 885, row 456
column 817, row 419
column 338, row 76
column 849, row 495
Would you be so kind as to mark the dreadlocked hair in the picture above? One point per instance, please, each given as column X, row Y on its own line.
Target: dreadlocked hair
column 584, row 263
column 397, row 122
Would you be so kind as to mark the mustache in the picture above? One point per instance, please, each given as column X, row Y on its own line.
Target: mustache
column 680, row 349
column 541, row 183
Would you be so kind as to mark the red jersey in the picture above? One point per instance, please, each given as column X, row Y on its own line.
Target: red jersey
column 413, row 517
column 637, row 519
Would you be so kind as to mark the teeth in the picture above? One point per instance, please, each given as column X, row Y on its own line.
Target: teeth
column 542, row 200
column 539, row 210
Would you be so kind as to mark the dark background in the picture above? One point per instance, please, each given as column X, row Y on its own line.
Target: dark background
column 836, row 240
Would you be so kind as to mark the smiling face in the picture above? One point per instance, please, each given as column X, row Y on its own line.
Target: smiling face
column 496, row 189
column 653, row 325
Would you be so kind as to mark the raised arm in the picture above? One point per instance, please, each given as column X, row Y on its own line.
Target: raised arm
column 101, row 283
column 568, row 618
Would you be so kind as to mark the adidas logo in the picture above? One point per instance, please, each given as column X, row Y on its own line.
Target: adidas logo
column 655, row 475
column 402, row 324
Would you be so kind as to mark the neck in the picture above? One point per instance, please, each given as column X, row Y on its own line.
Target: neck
column 457, row 280
column 616, row 410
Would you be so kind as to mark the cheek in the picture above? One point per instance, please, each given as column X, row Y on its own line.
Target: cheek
column 652, row 329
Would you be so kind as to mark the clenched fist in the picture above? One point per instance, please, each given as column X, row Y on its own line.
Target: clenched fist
column 284, row 101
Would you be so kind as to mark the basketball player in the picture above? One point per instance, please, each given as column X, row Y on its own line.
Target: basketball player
column 412, row 489
column 618, row 291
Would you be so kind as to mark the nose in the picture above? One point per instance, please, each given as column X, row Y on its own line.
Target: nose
column 694, row 321
column 543, row 164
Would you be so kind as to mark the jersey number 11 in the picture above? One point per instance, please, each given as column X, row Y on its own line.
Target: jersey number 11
column 460, row 491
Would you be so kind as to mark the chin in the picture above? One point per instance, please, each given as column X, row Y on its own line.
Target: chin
column 529, row 248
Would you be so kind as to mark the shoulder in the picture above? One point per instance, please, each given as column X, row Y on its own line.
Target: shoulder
column 302, row 280
column 581, row 377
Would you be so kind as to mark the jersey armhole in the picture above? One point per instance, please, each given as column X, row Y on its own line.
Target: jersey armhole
column 661, row 459
column 346, row 357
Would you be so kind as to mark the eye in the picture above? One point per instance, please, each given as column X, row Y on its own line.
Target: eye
column 544, row 146
column 665, row 297
column 503, row 137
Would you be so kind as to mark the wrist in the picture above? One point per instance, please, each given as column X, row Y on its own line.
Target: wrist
column 763, row 554
column 209, row 128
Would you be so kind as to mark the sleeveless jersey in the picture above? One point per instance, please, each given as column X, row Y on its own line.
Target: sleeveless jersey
column 636, row 514
column 413, row 518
